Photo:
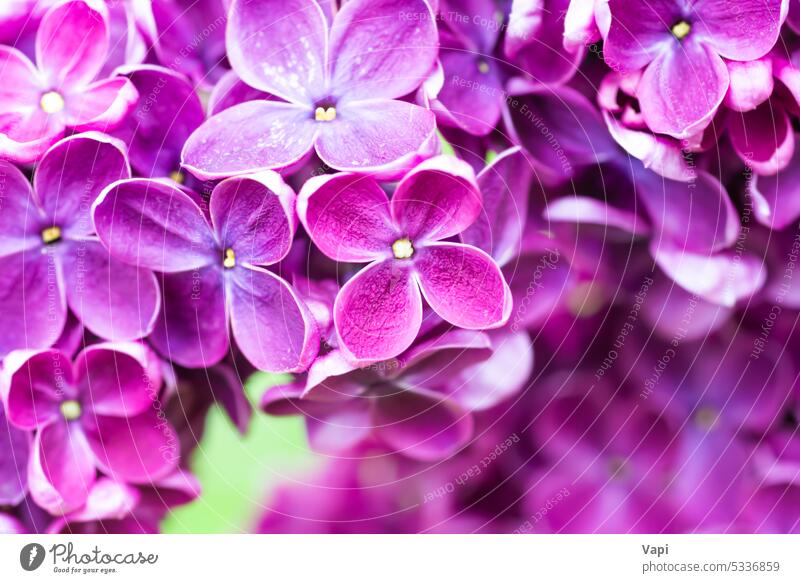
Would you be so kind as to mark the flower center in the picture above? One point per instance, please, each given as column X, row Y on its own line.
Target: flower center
column 705, row 417
column 483, row 67
column 51, row 102
column 617, row 467
column 585, row 299
column 177, row 176
column 51, row 235
column 229, row 260
column 402, row 248
column 681, row 29
column 71, row 410
column 325, row 113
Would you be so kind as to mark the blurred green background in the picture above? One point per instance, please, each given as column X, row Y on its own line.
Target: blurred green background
column 237, row 473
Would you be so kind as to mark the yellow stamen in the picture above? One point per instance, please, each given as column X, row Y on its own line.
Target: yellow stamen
column 705, row 417
column 616, row 466
column 402, row 248
column 322, row 114
column 681, row 29
column 51, row 235
column 230, row 259
column 52, row 102
column 585, row 299
column 71, row 410
column 483, row 67
column 177, row 176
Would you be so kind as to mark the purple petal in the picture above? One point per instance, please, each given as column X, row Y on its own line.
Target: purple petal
column 192, row 329
column 763, row 137
column 376, row 136
column 230, row 91
column 504, row 185
column 101, row 105
column 463, row 285
column 639, row 32
column 117, row 379
column 71, row 176
column 107, row 500
column 61, row 471
column 34, row 384
column 14, row 449
column 378, row 312
column 721, row 24
column 136, row 449
column 438, row 199
column 32, row 300
column 340, row 428
column 347, row 217
column 252, row 136
column 72, row 43
column 20, row 216
column 154, row 225
column 255, row 216
column 260, row 54
column 682, row 89
column 272, row 328
column 751, row 84
column 382, row 48
column 777, row 203
column 154, row 145
column 582, row 209
column 421, row 426
column 114, row 300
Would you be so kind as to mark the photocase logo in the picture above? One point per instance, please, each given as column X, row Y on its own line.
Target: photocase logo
column 31, row 556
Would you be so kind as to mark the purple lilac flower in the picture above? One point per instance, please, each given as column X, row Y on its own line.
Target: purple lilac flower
column 212, row 267
column 681, row 47
column 378, row 312
column 95, row 412
column 15, row 445
column 340, row 82
column 53, row 260
column 38, row 103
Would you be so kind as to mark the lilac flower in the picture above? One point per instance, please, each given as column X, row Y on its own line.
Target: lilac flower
column 212, row 267
column 378, row 312
column 420, row 404
column 39, row 102
column 52, row 258
column 14, row 449
column 94, row 413
column 340, row 82
column 681, row 45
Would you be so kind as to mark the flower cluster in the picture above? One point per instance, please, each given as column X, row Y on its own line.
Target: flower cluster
column 391, row 205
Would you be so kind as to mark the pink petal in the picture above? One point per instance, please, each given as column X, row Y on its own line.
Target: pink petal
column 31, row 381
column 463, row 285
column 101, row 105
column 763, row 137
column 438, row 199
column 742, row 31
column 378, row 312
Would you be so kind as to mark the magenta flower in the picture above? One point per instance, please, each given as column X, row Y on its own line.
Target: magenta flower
column 39, row 102
column 681, row 46
column 212, row 267
column 94, row 413
column 52, row 258
column 15, row 445
column 378, row 312
column 340, row 83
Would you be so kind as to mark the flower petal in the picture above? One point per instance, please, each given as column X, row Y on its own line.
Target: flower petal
column 463, row 285
column 382, row 48
column 136, row 449
column 279, row 46
column 114, row 300
column 682, row 89
column 255, row 216
column 154, row 225
column 347, row 217
column 20, row 216
column 271, row 326
column 378, row 312
column 338, row 428
column 638, row 32
column 192, row 329
column 438, row 199
column 421, row 426
column 72, row 43
column 763, row 137
column 504, row 185
column 61, row 471
column 100, row 106
column 376, row 136
column 741, row 32
column 776, row 199
column 15, row 446
column 34, row 384
column 32, row 300
column 118, row 379
column 249, row 137
column 72, row 174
